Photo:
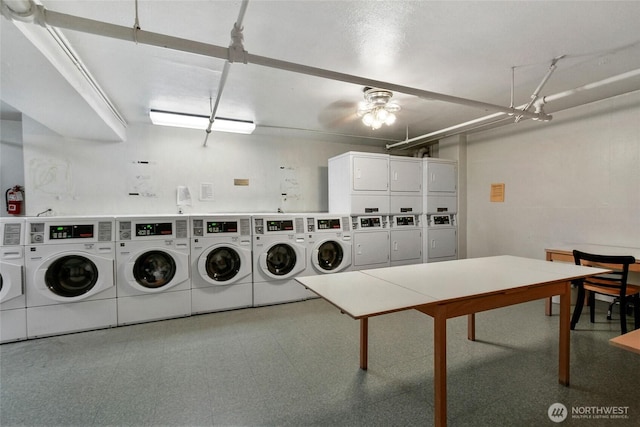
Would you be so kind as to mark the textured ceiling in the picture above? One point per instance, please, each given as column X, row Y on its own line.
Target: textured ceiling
column 464, row 49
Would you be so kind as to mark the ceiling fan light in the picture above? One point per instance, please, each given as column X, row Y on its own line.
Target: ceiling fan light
column 392, row 107
column 391, row 119
column 377, row 110
column 381, row 115
column 367, row 119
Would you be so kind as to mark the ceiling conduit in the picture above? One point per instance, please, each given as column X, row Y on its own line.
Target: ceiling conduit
column 493, row 119
column 236, row 43
column 536, row 92
column 44, row 17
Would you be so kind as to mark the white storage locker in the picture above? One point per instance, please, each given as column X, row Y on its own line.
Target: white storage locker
column 359, row 183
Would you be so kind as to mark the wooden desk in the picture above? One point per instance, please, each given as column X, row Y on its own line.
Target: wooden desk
column 450, row 289
column 629, row 341
column 564, row 253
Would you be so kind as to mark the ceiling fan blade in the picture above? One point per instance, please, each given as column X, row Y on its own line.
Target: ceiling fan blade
column 338, row 114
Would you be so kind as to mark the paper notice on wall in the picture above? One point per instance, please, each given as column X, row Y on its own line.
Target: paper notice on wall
column 140, row 178
column 289, row 185
column 183, row 196
column 206, row 192
column 497, row 193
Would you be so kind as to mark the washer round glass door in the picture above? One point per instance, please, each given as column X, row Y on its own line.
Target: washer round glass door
column 71, row 276
column 154, row 269
column 222, row 264
column 281, row 259
column 330, row 256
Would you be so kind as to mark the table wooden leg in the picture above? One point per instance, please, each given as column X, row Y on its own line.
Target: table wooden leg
column 548, row 306
column 565, row 338
column 364, row 342
column 471, row 327
column 440, row 368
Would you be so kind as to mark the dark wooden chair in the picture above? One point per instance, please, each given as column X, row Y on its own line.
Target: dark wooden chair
column 612, row 284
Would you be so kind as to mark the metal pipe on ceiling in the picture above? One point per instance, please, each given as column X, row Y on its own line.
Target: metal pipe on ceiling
column 440, row 133
column 492, row 119
column 45, row 17
column 236, row 37
column 536, row 92
column 589, row 86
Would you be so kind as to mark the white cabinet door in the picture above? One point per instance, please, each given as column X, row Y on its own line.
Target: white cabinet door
column 441, row 177
column 441, row 243
column 405, row 175
column 370, row 248
column 406, row 245
column 370, row 174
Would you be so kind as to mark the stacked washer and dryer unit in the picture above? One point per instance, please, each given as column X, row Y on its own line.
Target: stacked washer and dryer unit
column 406, row 203
column 384, row 197
column 69, row 273
column 440, row 207
column 359, row 185
column 13, row 312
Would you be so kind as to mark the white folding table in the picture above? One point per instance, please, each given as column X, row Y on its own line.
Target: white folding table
column 450, row 289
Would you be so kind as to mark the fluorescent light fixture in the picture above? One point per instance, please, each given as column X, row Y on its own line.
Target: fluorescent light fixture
column 222, row 124
column 195, row 121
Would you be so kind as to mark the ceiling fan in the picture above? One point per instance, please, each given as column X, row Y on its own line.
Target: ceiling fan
column 378, row 109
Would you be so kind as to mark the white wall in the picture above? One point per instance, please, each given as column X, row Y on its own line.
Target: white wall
column 11, row 162
column 575, row 179
column 81, row 177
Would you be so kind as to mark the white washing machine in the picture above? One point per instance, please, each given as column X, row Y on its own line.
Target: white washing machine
column 279, row 254
column 70, row 284
column 13, row 313
column 221, row 270
column 371, row 247
column 152, row 260
column 329, row 246
column 405, row 235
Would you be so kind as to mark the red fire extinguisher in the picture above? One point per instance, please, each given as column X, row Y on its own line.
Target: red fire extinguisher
column 14, row 198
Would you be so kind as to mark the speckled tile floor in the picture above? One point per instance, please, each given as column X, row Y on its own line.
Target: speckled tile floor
column 297, row 365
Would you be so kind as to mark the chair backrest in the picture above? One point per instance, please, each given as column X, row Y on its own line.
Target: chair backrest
column 619, row 264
